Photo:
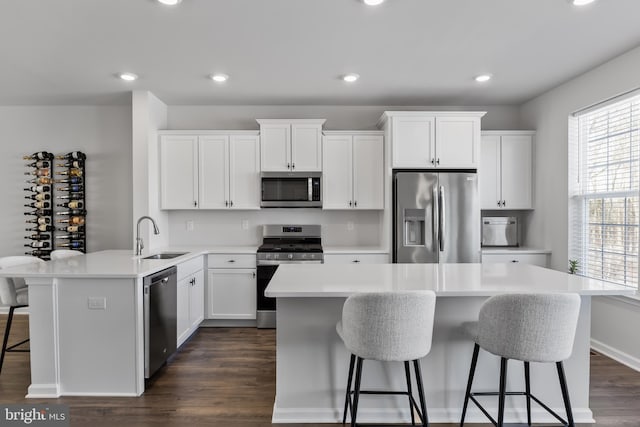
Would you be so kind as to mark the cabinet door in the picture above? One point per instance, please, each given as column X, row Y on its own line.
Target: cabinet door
column 356, row 258
column 196, row 300
column 337, row 174
column 214, row 171
column 516, row 171
column 457, row 142
column 178, row 172
column 533, row 259
column 413, row 142
column 368, row 172
column 231, row 294
column 275, row 144
column 306, row 147
column 244, row 172
column 489, row 172
column 183, row 324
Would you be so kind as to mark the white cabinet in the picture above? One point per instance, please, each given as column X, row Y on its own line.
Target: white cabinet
column 505, row 173
column 291, row 145
column 540, row 259
column 353, row 170
column 190, row 298
column 433, row 139
column 356, row 258
column 231, row 287
column 223, row 171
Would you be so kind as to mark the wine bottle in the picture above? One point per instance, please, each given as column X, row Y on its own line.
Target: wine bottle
column 72, row 220
column 76, row 196
column 81, row 212
column 73, row 229
column 38, row 244
column 39, row 188
column 70, row 172
column 72, row 187
column 40, row 155
column 39, row 196
column 72, row 236
column 41, row 227
column 39, row 220
column 39, row 205
column 39, row 252
column 74, row 155
column 72, row 204
column 39, row 172
column 40, row 212
column 74, row 244
column 72, row 164
column 39, row 236
column 70, row 180
column 43, row 180
column 40, row 164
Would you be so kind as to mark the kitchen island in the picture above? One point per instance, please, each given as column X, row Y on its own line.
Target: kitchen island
column 312, row 363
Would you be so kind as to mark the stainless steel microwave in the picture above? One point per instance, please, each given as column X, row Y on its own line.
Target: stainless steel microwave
column 291, row 190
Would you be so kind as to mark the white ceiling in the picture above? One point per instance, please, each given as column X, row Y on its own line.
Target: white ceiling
column 408, row 52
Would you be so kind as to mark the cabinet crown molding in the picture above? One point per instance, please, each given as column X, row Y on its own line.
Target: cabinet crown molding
column 353, row 132
column 389, row 114
column 291, row 121
column 508, row 132
column 208, row 132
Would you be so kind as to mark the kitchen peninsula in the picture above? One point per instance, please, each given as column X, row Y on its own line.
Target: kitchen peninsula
column 312, row 362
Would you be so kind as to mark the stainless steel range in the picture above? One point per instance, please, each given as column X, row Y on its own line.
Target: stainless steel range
column 283, row 244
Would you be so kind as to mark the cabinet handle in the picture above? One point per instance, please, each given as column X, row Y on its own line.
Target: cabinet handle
column 288, row 165
column 231, row 204
column 515, row 260
column 438, row 161
column 355, row 203
column 504, row 203
column 350, row 203
column 356, row 261
column 195, row 203
column 499, row 203
column 293, row 165
column 226, row 203
column 254, row 274
column 433, row 161
column 232, row 260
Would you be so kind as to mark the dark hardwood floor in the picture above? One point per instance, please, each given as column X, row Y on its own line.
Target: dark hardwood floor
column 226, row 377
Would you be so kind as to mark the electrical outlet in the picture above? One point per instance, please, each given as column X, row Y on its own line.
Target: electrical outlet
column 97, row 303
column 189, row 225
column 350, row 225
column 245, row 224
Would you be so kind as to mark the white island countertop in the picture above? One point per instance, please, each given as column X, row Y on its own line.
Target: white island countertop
column 342, row 280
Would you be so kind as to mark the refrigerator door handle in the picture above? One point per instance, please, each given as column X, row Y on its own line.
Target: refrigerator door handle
column 441, row 217
column 434, row 217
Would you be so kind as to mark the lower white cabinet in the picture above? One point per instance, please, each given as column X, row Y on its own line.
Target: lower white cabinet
column 356, row 258
column 190, row 299
column 539, row 259
column 231, row 293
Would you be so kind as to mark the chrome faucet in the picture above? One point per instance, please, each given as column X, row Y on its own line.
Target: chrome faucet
column 139, row 242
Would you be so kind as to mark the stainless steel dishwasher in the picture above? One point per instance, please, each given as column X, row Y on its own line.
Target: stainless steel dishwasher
column 160, row 310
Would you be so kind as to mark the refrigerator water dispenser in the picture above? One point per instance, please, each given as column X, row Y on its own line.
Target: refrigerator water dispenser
column 414, row 227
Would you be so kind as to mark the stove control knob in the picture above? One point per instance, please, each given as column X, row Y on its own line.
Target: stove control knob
column 290, row 256
column 268, row 256
column 304, row 256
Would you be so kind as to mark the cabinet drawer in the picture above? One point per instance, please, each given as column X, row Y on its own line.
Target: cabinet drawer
column 189, row 267
column 356, row 258
column 232, row 261
column 535, row 259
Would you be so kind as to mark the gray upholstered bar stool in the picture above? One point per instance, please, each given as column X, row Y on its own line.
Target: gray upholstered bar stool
column 387, row 326
column 14, row 293
column 64, row 253
column 529, row 328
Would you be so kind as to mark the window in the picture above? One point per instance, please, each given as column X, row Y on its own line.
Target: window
column 604, row 186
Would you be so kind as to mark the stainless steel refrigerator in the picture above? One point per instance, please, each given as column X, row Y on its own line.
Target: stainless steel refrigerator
column 436, row 217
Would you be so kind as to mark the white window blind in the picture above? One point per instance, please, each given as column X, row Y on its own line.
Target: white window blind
column 604, row 178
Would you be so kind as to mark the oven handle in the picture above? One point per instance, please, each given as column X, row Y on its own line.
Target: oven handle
column 278, row 262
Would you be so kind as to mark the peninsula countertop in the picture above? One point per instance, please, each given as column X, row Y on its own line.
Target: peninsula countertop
column 342, row 280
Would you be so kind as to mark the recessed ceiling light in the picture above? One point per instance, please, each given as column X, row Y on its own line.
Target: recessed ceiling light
column 483, row 78
column 351, row 77
column 373, row 2
column 128, row 76
column 219, row 78
column 170, row 2
column 581, row 2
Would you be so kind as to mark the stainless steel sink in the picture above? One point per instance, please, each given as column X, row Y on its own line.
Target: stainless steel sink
column 166, row 255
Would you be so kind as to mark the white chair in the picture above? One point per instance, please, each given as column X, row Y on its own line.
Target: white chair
column 529, row 328
column 13, row 292
column 64, row 253
column 387, row 326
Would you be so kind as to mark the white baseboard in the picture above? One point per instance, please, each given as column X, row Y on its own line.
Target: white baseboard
column 436, row 415
column 37, row 391
column 4, row 309
column 615, row 354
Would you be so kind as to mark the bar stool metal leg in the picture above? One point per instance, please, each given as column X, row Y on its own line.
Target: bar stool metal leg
column 423, row 405
column 503, row 389
column 356, row 393
column 472, row 371
column 6, row 336
column 346, row 397
column 565, row 394
column 527, row 384
column 407, row 372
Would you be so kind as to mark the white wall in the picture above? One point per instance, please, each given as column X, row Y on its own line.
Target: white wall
column 548, row 227
column 103, row 133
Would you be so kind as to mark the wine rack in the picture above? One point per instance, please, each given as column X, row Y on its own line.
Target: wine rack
column 70, row 211
column 39, row 204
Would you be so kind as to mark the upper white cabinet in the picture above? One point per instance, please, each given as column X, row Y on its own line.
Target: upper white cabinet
column 353, row 170
column 218, row 170
column 505, row 173
column 428, row 139
column 291, row 145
